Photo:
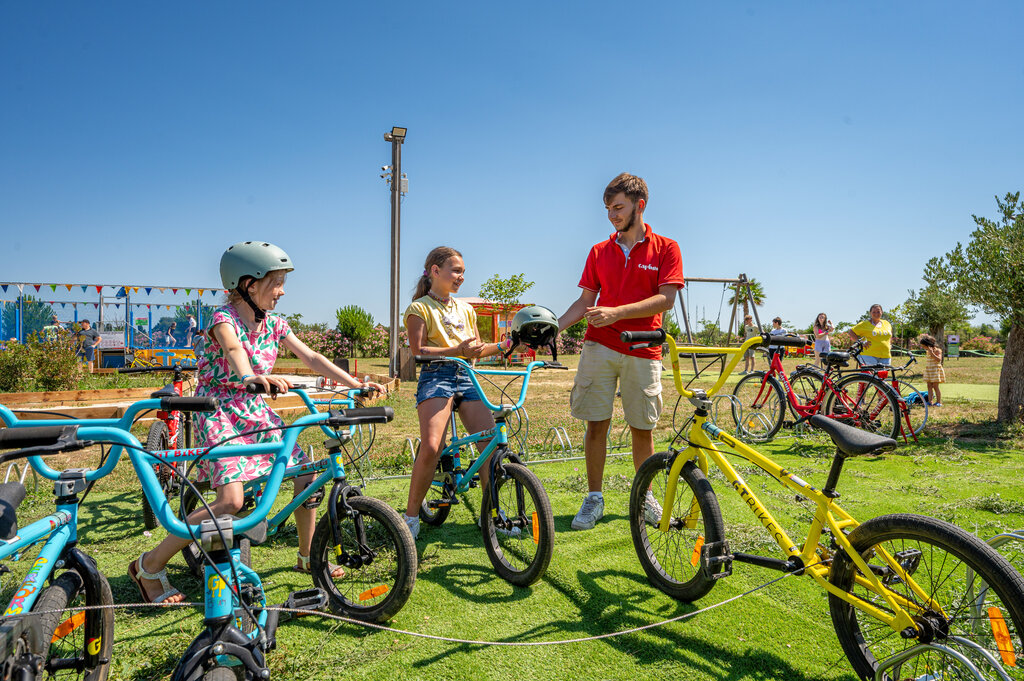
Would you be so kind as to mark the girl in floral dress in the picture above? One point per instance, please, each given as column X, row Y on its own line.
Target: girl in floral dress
column 241, row 346
column 933, row 371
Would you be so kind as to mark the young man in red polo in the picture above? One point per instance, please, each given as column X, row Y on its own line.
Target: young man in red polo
column 628, row 281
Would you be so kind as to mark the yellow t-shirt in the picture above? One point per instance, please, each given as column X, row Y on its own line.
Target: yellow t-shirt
column 447, row 325
column 880, row 337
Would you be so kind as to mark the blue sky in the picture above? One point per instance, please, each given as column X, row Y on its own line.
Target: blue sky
column 826, row 149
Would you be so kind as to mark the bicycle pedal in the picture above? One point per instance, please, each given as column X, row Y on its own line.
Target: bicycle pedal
column 306, row 599
column 442, row 503
column 713, row 554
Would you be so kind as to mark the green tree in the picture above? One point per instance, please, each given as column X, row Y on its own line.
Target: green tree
column 36, row 315
column 756, row 292
column 354, row 323
column 989, row 272
column 505, row 293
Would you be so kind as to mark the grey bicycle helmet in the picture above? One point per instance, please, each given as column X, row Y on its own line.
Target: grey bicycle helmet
column 535, row 326
column 255, row 260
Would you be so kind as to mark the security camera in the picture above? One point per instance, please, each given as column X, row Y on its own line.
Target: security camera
column 385, row 168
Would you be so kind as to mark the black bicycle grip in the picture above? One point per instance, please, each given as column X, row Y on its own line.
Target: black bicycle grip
column 353, row 417
column 36, row 436
column 189, row 403
column 786, row 341
column 258, row 389
column 428, row 359
column 657, row 336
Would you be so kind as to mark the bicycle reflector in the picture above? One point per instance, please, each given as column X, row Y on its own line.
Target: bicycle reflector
column 376, row 591
column 1002, row 636
column 697, row 546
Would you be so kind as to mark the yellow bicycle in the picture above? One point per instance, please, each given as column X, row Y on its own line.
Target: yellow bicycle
column 911, row 597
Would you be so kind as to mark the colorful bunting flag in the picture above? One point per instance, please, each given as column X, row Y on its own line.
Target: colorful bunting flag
column 84, row 287
column 174, row 290
column 161, row 289
column 37, row 287
column 188, row 292
column 67, row 286
column 149, row 289
column 200, row 293
column 5, row 288
column 99, row 289
column 53, row 287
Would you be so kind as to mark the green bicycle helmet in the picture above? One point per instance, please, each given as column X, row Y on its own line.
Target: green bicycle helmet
column 534, row 326
column 255, row 260
column 251, row 259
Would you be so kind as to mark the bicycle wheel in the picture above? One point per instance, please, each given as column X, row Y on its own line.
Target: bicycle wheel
column 672, row 559
column 66, row 630
column 156, row 440
column 521, row 549
column 948, row 567
column 865, row 402
column 376, row 590
column 806, row 385
column 761, row 409
column 916, row 405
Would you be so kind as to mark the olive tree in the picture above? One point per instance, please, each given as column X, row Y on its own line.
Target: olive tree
column 989, row 272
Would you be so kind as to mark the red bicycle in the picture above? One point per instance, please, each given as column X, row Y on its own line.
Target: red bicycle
column 861, row 400
column 171, row 430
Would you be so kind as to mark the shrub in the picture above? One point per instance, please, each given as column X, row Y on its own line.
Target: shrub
column 354, row 323
column 17, row 367
column 982, row 344
column 328, row 343
column 57, row 366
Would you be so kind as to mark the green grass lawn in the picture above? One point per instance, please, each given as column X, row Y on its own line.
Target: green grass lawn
column 966, row 470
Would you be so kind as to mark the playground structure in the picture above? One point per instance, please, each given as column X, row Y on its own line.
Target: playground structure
column 492, row 319
column 134, row 333
column 740, row 282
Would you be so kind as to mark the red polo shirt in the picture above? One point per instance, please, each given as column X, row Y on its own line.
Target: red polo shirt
column 619, row 279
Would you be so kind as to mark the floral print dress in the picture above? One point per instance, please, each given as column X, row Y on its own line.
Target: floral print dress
column 239, row 411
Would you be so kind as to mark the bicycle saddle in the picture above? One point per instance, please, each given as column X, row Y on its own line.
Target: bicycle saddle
column 852, row 441
column 166, row 391
column 836, row 359
column 11, row 494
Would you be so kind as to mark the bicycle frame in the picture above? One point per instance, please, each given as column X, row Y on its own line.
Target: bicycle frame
column 828, row 516
column 497, row 436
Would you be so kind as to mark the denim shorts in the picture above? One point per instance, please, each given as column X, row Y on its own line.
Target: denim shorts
column 868, row 360
column 444, row 379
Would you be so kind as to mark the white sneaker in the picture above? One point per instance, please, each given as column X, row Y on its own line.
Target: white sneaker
column 413, row 523
column 591, row 511
column 652, row 509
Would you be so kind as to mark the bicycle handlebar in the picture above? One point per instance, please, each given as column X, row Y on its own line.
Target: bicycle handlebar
column 657, row 336
column 786, row 341
column 342, row 418
column 146, row 370
column 197, row 404
column 37, row 436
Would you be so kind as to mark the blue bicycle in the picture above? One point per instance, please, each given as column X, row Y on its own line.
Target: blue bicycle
column 515, row 514
column 239, row 628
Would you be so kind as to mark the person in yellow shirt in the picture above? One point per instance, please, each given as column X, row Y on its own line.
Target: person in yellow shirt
column 878, row 333
column 441, row 325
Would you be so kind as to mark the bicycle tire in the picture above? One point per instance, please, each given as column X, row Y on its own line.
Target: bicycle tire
column 865, row 402
column 947, row 552
column 917, row 406
column 64, row 635
column 157, row 439
column 806, row 385
column 376, row 591
column 436, row 516
column 667, row 557
column 759, row 415
column 223, row 674
column 519, row 557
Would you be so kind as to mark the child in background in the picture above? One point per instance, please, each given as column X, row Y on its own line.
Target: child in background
column 933, row 371
column 749, row 331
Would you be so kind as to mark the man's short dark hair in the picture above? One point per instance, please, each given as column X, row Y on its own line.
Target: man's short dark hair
column 777, row 319
column 632, row 186
column 84, row 321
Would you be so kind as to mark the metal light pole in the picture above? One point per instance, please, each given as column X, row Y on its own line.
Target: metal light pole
column 396, row 137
